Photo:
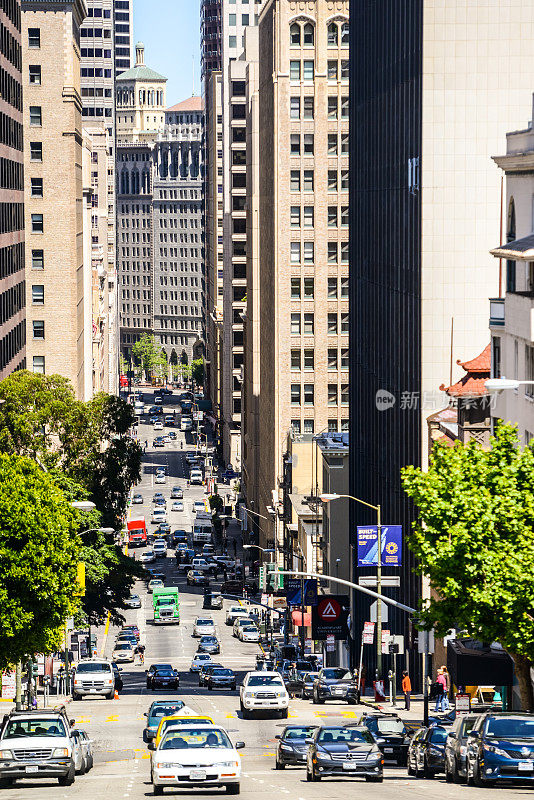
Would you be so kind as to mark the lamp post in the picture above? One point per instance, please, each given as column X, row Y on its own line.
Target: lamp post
column 327, row 498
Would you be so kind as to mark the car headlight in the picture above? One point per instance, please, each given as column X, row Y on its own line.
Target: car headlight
column 6, row 754
column 249, row 695
column 491, row 748
column 280, row 694
column 234, row 764
column 323, row 754
column 286, row 747
column 374, row 754
column 60, row 752
column 165, row 765
column 379, row 740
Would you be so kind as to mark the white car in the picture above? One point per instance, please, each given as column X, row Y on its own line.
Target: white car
column 199, row 659
column 160, row 548
column 123, row 652
column 177, row 506
column 158, row 515
column 196, row 478
column 155, row 583
column 198, row 505
column 196, row 756
column 158, row 401
column 249, row 633
column 133, row 601
column 160, row 479
column 234, row 612
column 204, row 626
column 263, row 691
column 241, row 622
column 158, row 426
column 147, row 557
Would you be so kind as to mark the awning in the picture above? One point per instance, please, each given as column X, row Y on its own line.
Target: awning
column 518, row 250
column 296, row 617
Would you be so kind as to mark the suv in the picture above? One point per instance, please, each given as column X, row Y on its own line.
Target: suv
column 38, row 744
column 263, row 691
column 456, row 748
column 390, row 733
column 335, row 683
column 500, row 746
column 94, row 677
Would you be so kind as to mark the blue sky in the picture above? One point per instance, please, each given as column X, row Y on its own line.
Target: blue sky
column 170, row 30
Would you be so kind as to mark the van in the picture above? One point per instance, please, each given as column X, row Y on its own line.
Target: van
column 186, row 424
column 94, row 677
column 196, row 477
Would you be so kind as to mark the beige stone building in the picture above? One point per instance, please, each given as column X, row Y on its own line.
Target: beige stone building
column 57, row 317
column 303, row 208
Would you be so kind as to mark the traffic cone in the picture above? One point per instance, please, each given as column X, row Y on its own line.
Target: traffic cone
column 116, row 695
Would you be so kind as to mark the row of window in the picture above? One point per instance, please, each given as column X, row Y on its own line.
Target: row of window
column 12, row 301
column 96, row 33
column 304, row 180
column 303, row 33
column 12, row 9
column 96, row 72
column 97, row 112
column 10, row 89
column 10, row 48
column 304, row 252
column 304, row 216
column 308, row 426
column 10, row 132
column 95, row 52
column 304, row 394
column 95, row 92
column 304, row 288
column 11, row 174
column 305, row 70
column 12, row 344
column 99, row 12
column 11, row 217
column 305, row 359
column 304, row 324
column 11, row 259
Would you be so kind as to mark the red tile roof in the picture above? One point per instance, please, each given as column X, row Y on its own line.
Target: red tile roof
column 191, row 104
column 481, row 363
column 472, row 384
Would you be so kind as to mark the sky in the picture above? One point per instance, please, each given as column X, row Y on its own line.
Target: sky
column 170, row 31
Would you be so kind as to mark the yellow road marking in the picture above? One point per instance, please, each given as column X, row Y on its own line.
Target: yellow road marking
column 104, row 639
column 112, row 718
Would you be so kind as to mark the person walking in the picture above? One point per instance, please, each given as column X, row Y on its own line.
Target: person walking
column 441, row 684
column 407, row 689
column 446, row 675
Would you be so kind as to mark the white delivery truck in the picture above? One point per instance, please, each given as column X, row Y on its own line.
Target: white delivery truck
column 202, row 528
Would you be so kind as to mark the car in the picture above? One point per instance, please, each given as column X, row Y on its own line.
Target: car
column 119, row 683
column 160, row 503
column 158, row 442
column 160, row 548
column 124, row 651
column 172, row 435
column 249, row 633
column 127, row 636
column 208, row 551
column 209, row 644
column 164, row 391
column 156, row 712
column 147, row 557
column 177, row 505
column 229, row 474
column 154, row 410
column 343, row 752
column 456, row 748
column 93, row 677
column 158, row 400
column 177, row 493
column 241, row 622
column 159, row 515
column 291, row 748
column 299, row 683
column 237, row 587
column 234, row 612
column 199, row 505
column 221, row 678
column 164, row 678
column 169, row 419
column 197, row 578
column 157, row 496
column 196, row 756
column 335, row 683
column 133, row 628
column 500, row 747
column 163, row 529
column 390, row 733
column 225, row 562
column 204, row 626
column 133, row 601
column 151, row 671
column 158, row 426
column 153, row 419
column 155, row 583
column 85, row 745
column 263, row 691
column 180, row 719
column 198, row 660
column 206, row 670
column 160, row 479
column 179, row 535
column 426, row 752
column 137, row 499
column 212, row 600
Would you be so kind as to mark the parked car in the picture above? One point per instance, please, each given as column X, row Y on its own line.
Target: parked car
column 124, row 651
column 241, row 622
column 426, row 752
column 456, row 748
column 390, row 733
column 221, row 677
column 209, row 644
column 343, row 752
column 85, row 745
column 292, row 747
column 500, row 747
column 137, row 499
column 335, row 683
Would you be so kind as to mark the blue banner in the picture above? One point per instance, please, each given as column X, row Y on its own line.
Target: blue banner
column 391, row 546
column 293, row 591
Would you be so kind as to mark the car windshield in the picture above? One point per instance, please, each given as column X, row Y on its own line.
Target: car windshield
column 165, row 709
column 208, row 640
column 250, row 629
column 196, row 738
column 134, row 597
column 265, row 680
column 202, row 657
column 345, row 736
column 17, row 728
column 386, row 726
column 438, row 736
column 510, row 727
column 204, row 622
column 222, row 673
column 165, row 673
column 123, row 646
column 335, row 674
column 309, row 677
column 299, row 733
column 168, row 723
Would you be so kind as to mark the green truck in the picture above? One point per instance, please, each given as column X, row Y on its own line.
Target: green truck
column 166, row 605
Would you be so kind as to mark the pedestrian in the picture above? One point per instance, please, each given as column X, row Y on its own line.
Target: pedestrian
column 440, row 686
column 407, row 689
column 447, row 677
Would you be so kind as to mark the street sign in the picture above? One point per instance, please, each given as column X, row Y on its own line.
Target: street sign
column 293, row 591
column 388, row 581
column 463, row 703
column 368, row 634
column 396, row 641
column 330, row 616
column 330, row 643
column 385, row 641
column 391, row 538
column 425, row 641
column 372, row 615
column 8, row 686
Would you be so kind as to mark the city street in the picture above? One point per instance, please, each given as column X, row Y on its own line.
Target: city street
column 122, row 761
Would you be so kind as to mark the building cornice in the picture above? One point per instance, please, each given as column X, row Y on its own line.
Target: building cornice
column 516, row 162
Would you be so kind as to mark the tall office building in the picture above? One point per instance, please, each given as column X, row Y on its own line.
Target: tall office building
column 58, row 339
column 303, row 231
column 12, row 288
column 434, row 88
column 123, row 19
column 210, row 38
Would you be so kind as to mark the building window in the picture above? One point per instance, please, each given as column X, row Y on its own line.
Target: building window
column 308, row 326
column 344, row 108
column 308, row 108
column 332, row 252
column 295, row 394
column 344, row 323
column 37, row 295
column 344, row 281
column 344, row 144
column 332, row 217
column 294, row 35
column 332, row 323
column 38, row 329
column 332, row 108
column 308, row 71
column 34, row 37
column 232, row 42
column 37, row 259
column 295, row 216
column 345, row 34
column 332, row 144
column 344, row 252
column 332, row 70
column 344, row 180
column 308, row 144
column 308, row 426
column 309, row 285
column 332, row 394
column 295, row 288
column 37, row 223
column 36, row 151
column 309, row 34
column 295, row 253
column 295, row 426
column 332, row 358
column 35, row 74
column 332, row 425
column 345, row 424
column 344, row 394
column 309, row 360
column 294, row 144
column 344, row 216
column 309, row 392
column 332, row 38
column 309, row 216
column 529, row 364
column 308, row 180
column 295, row 180
column 332, row 180
column 309, row 250
column 294, row 106
column 295, row 359
column 36, row 117
column 39, row 364
column 332, row 288
column 36, row 187
column 294, row 70
column 295, row 324
column 232, row 18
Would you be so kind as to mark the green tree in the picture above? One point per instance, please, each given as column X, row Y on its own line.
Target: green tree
column 197, row 371
column 150, row 356
column 216, row 502
column 474, row 539
column 39, row 552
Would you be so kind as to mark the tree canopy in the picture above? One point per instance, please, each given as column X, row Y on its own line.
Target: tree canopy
column 149, row 356
column 39, row 551
column 474, row 539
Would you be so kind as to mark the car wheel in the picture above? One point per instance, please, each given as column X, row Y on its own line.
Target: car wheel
column 279, row 765
column 68, row 779
column 233, row 788
column 75, row 697
column 449, row 776
column 111, row 695
column 157, row 790
column 427, row 771
column 7, row 783
column 478, row 780
column 83, row 768
column 374, row 778
column 411, row 770
column 284, row 713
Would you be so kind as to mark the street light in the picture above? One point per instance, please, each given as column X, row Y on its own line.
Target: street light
column 497, row 385
column 327, row 498
column 100, row 530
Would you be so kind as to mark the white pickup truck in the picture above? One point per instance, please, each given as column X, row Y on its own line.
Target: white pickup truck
column 264, row 691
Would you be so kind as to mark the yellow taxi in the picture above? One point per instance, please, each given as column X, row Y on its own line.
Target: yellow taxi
column 167, row 722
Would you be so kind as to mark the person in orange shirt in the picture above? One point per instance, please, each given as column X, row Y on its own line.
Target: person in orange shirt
column 407, row 689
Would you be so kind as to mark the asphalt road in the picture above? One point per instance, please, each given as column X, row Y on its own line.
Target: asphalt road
column 121, row 759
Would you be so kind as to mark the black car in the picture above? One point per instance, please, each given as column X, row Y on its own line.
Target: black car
column 151, row 671
column 390, row 733
column 119, row 683
column 205, row 671
column 158, row 442
column 500, row 747
column 300, row 684
column 154, row 575
column 221, row 677
column 177, row 493
column 335, row 683
column 343, row 752
column 426, row 753
column 164, row 679
column 179, row 536
column 292, row 750
column 172, row 434
column 456, row 748
column 236, row 587
column 209, row 644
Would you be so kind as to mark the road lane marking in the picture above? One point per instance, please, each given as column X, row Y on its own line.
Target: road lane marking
column 105, row 636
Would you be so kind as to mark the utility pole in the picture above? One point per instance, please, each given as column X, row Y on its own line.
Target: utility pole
column 379, row 591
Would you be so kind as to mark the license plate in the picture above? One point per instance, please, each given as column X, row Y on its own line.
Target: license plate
column 93, row 691
column 338, row 691
column 388, row 749
column 198, row 774
column 348, row 765
column 525, row 766
column 32, row 769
